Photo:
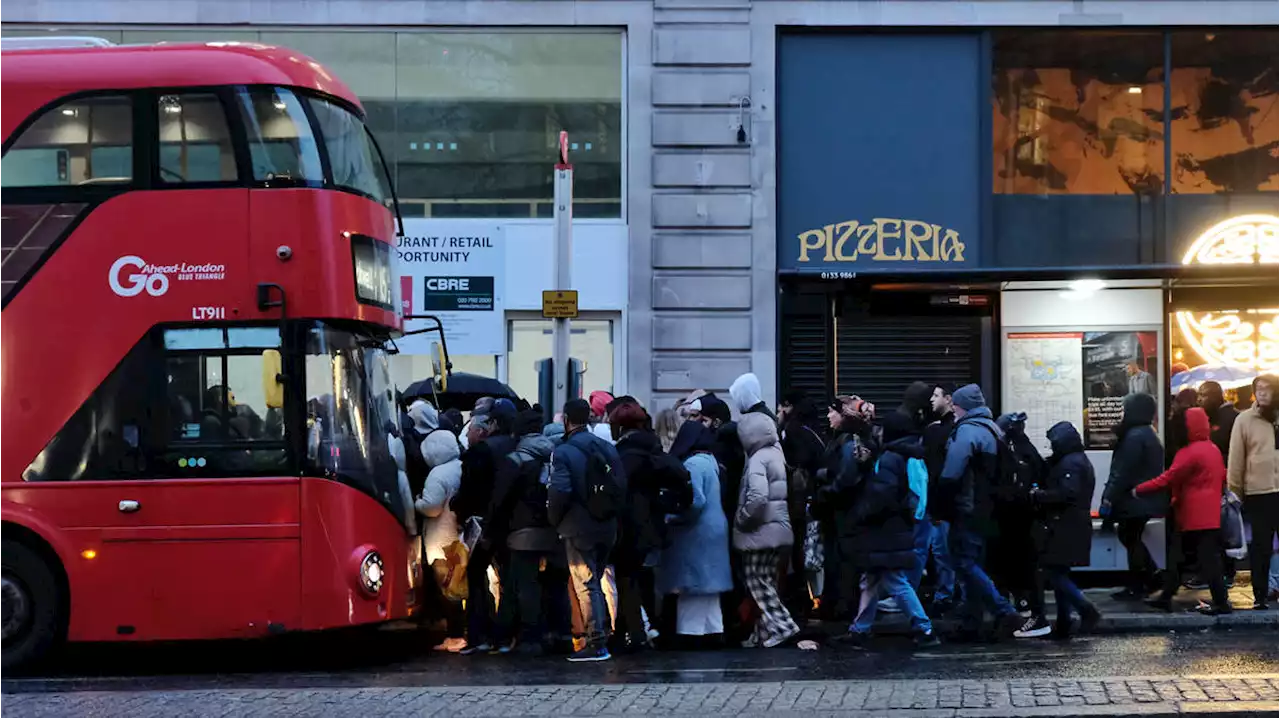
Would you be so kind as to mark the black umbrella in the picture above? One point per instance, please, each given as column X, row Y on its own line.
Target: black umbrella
column 463, row 391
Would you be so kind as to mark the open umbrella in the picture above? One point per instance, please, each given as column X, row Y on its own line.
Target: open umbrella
column 463, row 391
column 1229, row 377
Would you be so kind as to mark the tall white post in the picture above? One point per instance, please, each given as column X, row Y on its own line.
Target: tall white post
column 563, row 201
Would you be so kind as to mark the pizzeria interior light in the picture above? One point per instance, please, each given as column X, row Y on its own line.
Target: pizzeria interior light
column 1245, row 338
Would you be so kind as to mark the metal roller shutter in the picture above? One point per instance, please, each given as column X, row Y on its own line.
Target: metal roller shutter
column 878, row 356
column 805, row 341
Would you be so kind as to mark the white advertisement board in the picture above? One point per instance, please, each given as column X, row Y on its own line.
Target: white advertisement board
column 457, row 272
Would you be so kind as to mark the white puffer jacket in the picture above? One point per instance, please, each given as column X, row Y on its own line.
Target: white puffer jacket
column 761, row 521
column 440, row 449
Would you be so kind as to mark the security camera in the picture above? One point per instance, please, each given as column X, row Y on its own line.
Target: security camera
column 284, row 253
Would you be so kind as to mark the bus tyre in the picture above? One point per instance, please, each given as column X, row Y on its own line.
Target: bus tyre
column 31, row 617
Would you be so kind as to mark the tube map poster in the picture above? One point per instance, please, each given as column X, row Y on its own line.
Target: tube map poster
column 1044, row 373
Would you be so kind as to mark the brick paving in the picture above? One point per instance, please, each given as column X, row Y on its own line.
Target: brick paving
column 1167, row 695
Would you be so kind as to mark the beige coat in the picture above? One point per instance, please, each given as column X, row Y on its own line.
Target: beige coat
column 1252, row 468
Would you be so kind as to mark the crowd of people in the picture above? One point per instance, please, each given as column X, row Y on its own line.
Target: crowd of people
column 609, row 530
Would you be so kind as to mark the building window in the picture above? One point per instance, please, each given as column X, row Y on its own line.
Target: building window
column 85, row 141
column 195, row 144
column 478, row 121
column 1224, row 129
column 1078, row 112
column 590, row 341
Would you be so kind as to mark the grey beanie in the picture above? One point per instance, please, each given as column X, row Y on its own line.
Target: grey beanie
column 969, row 397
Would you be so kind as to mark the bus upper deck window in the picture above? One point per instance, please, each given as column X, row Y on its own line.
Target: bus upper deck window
column 83, row 141
column 282, row 147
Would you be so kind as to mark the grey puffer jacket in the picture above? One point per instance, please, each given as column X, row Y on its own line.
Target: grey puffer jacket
column 761, row 521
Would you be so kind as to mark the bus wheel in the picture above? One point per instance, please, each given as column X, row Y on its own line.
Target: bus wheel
column 29, row 606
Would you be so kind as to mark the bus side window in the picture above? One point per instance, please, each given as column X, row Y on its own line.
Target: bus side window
column 83, row 141
column 195, row 144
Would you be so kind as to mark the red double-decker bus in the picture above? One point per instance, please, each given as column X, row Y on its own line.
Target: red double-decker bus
column 197, row 303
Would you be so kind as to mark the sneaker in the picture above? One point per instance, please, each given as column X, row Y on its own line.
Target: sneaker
column 1195, row 584
column 926, row 640
column 1205, row 609
column 1128, row 595
column 502, row 650
column 887, row 605
column 472, row 650
column 1034, row 627
column 776, row 641
column 753, row 641
column 1261, row 606
column 590, row 655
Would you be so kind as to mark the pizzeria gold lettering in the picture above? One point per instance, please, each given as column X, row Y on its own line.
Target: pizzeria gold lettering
column 883, row 239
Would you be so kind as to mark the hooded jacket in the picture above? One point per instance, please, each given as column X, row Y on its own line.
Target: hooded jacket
column 1138, row 457
column 520, row 498
column 440, row 449
column 1196, row 478
column 747, row 398
column 1063, row 503
column 761, row 520
column 640, row 533
column 1252, row 462
column 878, row 528
column 963, row 492
column 695, row 560
column 566, row 502
column 423, row 420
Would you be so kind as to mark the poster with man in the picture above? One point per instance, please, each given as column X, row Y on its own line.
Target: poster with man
column 1116, row 364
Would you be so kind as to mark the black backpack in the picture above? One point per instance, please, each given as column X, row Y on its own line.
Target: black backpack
column 534, row 476
column 605, row 495
column 675, row 486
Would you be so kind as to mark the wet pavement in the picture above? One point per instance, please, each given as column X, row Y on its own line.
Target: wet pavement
column 402, row 659
column 1225, row 671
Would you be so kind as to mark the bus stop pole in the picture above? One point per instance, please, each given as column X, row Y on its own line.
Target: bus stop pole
column 563, row 206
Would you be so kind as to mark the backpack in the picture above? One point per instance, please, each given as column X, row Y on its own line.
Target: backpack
column 605, row 495
column 917, row 487
column 534, row 478
column 675, row 485
column 1008, row 472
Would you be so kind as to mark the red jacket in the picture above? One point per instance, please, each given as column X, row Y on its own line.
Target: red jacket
column 1196, row 478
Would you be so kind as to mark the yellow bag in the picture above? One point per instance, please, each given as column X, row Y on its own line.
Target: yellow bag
column 451, row 571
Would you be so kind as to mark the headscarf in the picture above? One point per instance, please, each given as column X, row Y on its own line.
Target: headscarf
column 692, row 438
column 599, row 401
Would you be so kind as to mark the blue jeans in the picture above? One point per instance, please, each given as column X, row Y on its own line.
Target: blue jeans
column 1065, row 593
column 586, row 568
column 939, row 535
column 979, row 591
column 923, row 531
column 896, row 583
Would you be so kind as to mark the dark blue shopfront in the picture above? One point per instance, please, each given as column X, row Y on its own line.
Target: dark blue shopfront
column 922, row 169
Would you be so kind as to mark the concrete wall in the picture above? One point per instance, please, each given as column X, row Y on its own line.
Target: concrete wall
column 702, row 288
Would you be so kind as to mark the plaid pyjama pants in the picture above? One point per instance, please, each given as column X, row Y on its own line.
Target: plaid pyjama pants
column 760, row 574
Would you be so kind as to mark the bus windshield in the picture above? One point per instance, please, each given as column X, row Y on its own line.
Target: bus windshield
column 351, row 414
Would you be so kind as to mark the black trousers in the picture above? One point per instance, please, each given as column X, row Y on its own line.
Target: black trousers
column 635, row 591
column 479, row 600
column 1207, row 545
column 1142, row 568
column 520, row 613
column 1261, row 511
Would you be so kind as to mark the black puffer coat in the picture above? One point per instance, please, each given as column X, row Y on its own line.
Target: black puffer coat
column 1138, row 457
column 877, row 529
column 1062, row 505
column 640, row 533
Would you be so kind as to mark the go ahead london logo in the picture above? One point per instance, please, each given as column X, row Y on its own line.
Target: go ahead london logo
column 131, row 276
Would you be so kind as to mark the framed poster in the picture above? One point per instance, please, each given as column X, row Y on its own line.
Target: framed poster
column 1044, row 371
column 1115, row 365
